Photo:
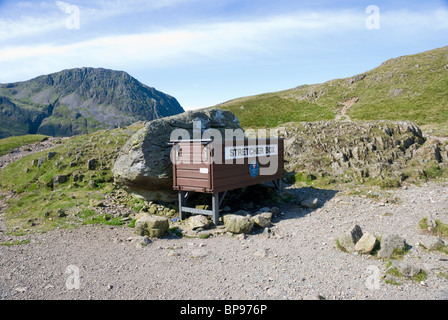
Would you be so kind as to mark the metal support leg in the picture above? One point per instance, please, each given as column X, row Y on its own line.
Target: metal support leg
column 215, row 208
column 181, row 199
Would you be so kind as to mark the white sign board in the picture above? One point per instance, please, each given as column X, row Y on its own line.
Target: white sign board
column 242, row 152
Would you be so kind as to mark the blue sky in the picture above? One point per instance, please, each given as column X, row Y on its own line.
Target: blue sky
column 204, row 52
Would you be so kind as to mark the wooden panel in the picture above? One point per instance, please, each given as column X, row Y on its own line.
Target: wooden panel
column 195, row 174
column 193, row 182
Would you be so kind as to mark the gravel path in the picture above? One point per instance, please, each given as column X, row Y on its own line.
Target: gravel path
column 18, row 153
column 300, row 260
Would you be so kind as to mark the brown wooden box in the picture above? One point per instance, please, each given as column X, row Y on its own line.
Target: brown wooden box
column 209, row 167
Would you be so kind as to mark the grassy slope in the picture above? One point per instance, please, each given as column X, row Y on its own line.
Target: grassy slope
column 37, row 202
column 8, row 144
column 407, row 88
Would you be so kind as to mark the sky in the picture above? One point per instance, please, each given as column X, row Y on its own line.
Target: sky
column 205, row 52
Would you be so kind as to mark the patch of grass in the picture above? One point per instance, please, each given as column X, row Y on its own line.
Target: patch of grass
column 91, row 217
column 271, row 110
column 398, row 254
column 15, row 242
column 441, row 230
column 338, row 245
column 176, row 231
column 442, row 274
column 394, row 272
column 11, row 143
column 131, row 224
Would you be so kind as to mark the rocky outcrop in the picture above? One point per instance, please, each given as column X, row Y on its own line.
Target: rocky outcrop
column 144, row 166
column 384, row 151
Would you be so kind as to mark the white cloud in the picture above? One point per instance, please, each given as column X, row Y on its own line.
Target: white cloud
column 192, row 44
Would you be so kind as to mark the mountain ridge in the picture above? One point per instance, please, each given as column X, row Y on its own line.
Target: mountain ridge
column 78, row 101
column 411, row 87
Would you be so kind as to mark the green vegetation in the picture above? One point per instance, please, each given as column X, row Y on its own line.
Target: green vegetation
column 15, row 242
column 11, row 143
column 55, row 188
column 270, row 110
column 405, row 88
column 441, row 230
column 394, row 272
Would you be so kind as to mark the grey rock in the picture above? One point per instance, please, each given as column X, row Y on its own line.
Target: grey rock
column 151, row 226
column 349, row 238
column 50, row 155
column 392, row 279
column 61, row 213
column 198, row 222
column 310, row 203
column 366, row 244
column 59, row 179
column 238, row 224
column 390, row 243
column 431, row 222
column 431, row 242
column 408, row 270
column 144, row 164
column 144, row 240
column 199, row 253
column 91, row 164
column 263, row 220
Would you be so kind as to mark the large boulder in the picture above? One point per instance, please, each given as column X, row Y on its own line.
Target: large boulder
column 144, row 166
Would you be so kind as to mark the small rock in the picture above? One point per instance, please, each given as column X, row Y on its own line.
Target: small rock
column 21, row 289
column 408, row 269
column 50, row 155
column 431, row 242
column 431, row 222
column 390, row 243
column 91, row 164
column 310, row 203
column 61, row 213
column 366, row 244
column 199, row 253
column 261, row 253
column 263, row 220
column 349, row 239
column 173, row 253
column 392, row 279
column 198, row 222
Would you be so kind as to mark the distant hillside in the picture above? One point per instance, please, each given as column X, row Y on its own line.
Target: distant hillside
column 79, row 101
column 411, row 88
